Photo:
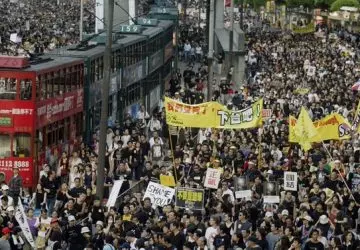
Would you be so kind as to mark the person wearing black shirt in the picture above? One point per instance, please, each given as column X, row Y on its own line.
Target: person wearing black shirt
column 50, row 188
column 222, row 239
column 314, row 243
column 73, row 234
column 177, row 237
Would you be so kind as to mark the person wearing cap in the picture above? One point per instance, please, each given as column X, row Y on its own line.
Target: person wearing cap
column 5, row 190
column 252, row 243
column 54, row 234
column 4, row 240
column 72, row 233
column 98, row 235
column 86, row 236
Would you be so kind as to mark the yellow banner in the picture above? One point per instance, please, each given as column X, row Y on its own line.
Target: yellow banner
column 212, row 115
column 167, row 180
column 331, row 127
column 303, row 30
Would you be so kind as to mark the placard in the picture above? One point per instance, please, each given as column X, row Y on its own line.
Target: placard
column 311, row 71
column 114, row 193
column 212, row 178
column 159, row 194
column 271, row 199
column 290, row 181
column 271, row 188
column 167, row 180
column 190, row 198
column 266, row 113
column 243, row 194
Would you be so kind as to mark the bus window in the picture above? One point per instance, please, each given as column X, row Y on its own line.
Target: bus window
column 23, row 144
column 49, row 86
column 56, row 83
column 7, row 88
column 5, row 145
column 25, row 89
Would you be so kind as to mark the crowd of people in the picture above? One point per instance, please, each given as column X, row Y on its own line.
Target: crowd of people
column 65, row 213
column 41, row 26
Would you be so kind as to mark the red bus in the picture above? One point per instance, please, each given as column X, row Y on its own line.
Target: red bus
column 41, row 105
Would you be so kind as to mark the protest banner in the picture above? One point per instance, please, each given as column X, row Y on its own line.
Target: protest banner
column 190, row 198
column 159, row 194
column 331, row 127
column 167, row 180
column 212, row 114
column 212, row 178
column 114, row 193
column 290, row 181
column 310, row 28
column 21, row 218
column 243, row 194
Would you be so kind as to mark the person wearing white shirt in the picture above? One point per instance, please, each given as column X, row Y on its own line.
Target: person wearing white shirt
column 154, row 124
column 142, row 114
column 211, row 232
column 125, row 138
column 5, row 190
column 152, row 139
column 187, row 49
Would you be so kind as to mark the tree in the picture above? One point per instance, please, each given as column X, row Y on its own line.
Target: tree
column 340, row 3
column 323, row 4
column 298, row 3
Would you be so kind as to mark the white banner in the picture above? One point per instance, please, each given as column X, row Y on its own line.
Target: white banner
column 243, row 194
column 212, row 178
column 99, row 11
column 271, row 199
column 21, row 218
column 290, row 181
column 159, row 195
column 114, row 193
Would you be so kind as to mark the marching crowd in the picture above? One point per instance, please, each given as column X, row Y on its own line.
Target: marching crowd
column 288, row 71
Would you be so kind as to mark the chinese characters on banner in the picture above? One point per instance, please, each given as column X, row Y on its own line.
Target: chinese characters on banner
column 212, row 178
column 159, row 194
column 190, row 198
column 290, row 181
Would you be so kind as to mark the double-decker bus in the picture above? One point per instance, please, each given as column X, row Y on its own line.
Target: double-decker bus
column 41, row 105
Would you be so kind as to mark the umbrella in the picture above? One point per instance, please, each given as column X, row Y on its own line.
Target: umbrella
column 356, row 86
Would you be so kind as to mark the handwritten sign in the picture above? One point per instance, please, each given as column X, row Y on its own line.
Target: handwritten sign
column 212, row 178
column 114, row 193
column 290, row 181
column 270, row 199
column 190, row 198
column 159, row 194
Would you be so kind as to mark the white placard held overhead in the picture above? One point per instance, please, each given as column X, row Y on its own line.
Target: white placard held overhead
column 159, row 195
column 114, row 193
column 243, row 194
column 311, row 71
column 270, row 199
column 212, row 178
column 290, row 181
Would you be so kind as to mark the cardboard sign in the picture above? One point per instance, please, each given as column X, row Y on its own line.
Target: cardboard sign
column 243, row 194
column 159, row 194
column 167, row 180
column 290, row 181
column 212, row 178
column 190, row 198
column 114, row 193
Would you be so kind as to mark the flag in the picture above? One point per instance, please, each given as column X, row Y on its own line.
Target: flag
column 304, row 129
column 355, row 126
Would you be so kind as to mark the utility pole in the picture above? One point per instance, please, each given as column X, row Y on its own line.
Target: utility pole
column 105, row 102
column 231, row 37
column 211, row 49
column 241, row 14
column 81, row 19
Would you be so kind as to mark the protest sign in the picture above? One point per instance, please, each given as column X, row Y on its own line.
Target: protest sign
column 266, row 113
column 271, row 199
column 159, row 194
column 21, row 218
column 290, row 181
column 212, row 178
column 190, row 198
column 167, row 180
column 270, row 188
column 243, row 194
column 114, row 193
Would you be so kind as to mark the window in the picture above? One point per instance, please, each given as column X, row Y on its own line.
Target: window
column 61, row 82
column 68, row 82
column 25, row 89
column 5, row 145
column 7, row 88
column 22, row 144
column 43, row 82
column 49, row 86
